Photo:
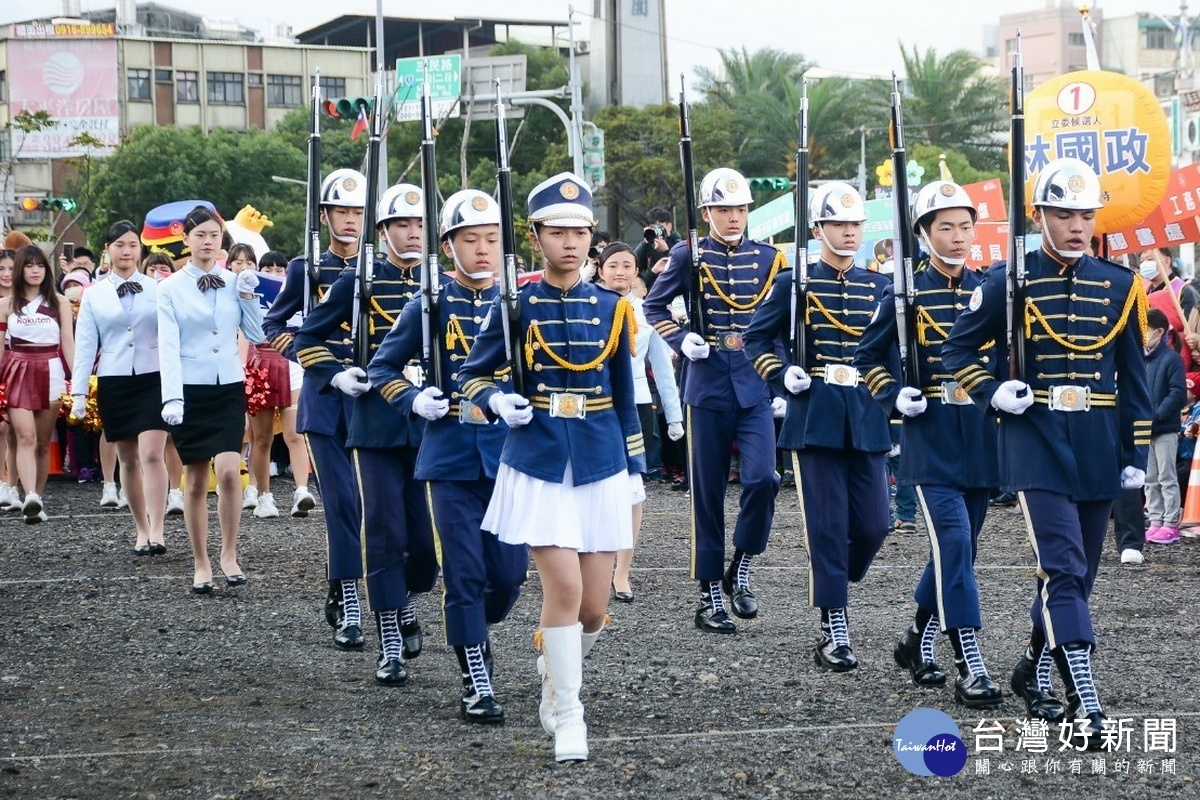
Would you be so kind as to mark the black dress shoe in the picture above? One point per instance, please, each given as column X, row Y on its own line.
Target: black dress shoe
column 712, row 620
column 480, row 709
column 1004, row 500
column 157, row 548
column 333, row 604
column 202, row 588
column 413, row 637
column 834, row 659
column 1043, row 705
column 235, row 580
column 977, row 691
column 144, row 550
column 1088, row 727
column 391, row 672
column 742, row 600
column 349, row 638
column 908, row 656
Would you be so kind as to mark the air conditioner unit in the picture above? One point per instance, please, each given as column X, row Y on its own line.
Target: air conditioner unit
column 582, row 48
column 1191, row 131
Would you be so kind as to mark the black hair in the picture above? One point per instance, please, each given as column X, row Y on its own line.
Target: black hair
column 197, row 217
column 659, row 214
column 115, row 231
column 157, row 260
column 613, row 249
column 272, row 258
column 32, row 254
column 241, row 249
column 1155, row 318
column 600, row 236
column 85, row 253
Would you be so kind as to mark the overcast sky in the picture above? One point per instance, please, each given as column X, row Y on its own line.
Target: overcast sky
column 847, row 36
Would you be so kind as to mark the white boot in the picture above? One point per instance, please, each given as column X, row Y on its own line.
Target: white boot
column 562, row 649
column 546, row 707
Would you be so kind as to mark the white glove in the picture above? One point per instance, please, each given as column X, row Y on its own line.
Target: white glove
column 1005, row 398
column 1133, row 478
column 675, row 431
column 172, row 412
column 796, row 380
column 910, row 402
column 430, row 404
column 352, row 380
column 778, row 407
column 79, row 406
column 694, row 347
column 512, row 408
column 247, row 281
column 895, row 451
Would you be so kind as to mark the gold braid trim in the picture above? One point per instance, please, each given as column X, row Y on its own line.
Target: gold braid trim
column 779, row 263
column 1135, row 299
column 925, row 321
column 378, row 310
column 815, row 302
column 622, row 314
column 454, row 332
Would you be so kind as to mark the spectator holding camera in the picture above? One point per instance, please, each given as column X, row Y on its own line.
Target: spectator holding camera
column 658, row 237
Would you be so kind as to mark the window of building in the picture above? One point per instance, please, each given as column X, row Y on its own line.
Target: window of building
column 187, row 87
column 1010, row 45
column 253, row 79
column 138, row 84
column 226, row 87
column 1076, row 40
column 4, row 87
column 163, row 76
column 333, row 87
column 284, row 91
column 1159, row 40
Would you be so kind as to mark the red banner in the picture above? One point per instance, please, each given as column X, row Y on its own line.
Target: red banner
column 991, row 244
column 988, row 197
column 1175, row 221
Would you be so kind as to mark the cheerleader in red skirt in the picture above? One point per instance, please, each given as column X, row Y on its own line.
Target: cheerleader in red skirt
column 40, row 343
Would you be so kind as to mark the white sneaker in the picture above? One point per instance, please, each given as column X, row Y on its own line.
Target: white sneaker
column 32, row 509
column 1131, row 556
column 273, row 470
column 122, row 500
column 266, row 506
column 14, row 498
column 175, row 501
column 250, row 498
column 302, row 502
column 5, row 498
column 109, row 497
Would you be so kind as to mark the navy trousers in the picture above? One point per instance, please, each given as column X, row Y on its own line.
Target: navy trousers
column 1067, row 539
column 482, row 575
column 947, row 588
column 343, row 512
column 397, row 539
column 844, row 496
column 711, row 435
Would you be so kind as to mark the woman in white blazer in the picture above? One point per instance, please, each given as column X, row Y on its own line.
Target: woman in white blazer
column 118, row 318
column 200, row 310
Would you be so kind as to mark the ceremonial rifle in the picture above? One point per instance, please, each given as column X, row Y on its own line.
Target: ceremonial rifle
column 1014, row 282
column 511, row 300
column 312, row 211
column 361, row 318
column 800, row 275
column 431, row 286
column 903, row 249
column 696, row 305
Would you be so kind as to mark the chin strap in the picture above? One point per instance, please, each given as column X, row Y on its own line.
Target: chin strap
column 1055, row 248
column 950, row 262
column 836, row 251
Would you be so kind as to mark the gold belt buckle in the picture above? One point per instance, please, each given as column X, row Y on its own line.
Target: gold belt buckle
column 1070, row 398
column 568, row 405
column 955, row 395
column 470, row 414
column 731, row 342
column 841, row 375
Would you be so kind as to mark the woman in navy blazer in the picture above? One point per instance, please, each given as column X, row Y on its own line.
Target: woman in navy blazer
column 118, row 316
column 200, row 309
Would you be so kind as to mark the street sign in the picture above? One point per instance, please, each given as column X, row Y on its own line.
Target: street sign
column 773, row 217
column 445, row 85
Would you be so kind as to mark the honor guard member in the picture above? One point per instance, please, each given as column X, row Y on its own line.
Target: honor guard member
column 838, row 435
column 397, row 543
column 727, row 403
column 460, row 449
column 324, row 417
column 949, row 451
column 1066, row 445
column 570, row 470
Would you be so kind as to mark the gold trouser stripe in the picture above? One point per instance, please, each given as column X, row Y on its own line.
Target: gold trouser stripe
column 313, row 461
column 1047, row 624
column 691, row 476
column 935, row 555
column 362, row 526
column 812, row 595
column 437, row 549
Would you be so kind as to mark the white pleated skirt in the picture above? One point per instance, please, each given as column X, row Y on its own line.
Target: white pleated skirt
column 593, row 518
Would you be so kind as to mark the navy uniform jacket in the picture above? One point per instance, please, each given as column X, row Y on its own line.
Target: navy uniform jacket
column 946, row 445
column 585, row 324
column 321, row 413
column 373, row 423
column 450, row 450
column 735, row 282
column 1070, row 311
column 839, row 306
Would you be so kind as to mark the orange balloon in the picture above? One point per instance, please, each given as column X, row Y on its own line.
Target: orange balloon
column 1111, row 122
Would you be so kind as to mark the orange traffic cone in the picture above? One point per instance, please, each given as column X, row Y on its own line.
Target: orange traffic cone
column 56, row 455
column 1191, row 504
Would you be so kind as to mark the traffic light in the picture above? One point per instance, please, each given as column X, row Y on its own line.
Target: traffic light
column 49, row 204
column 770, row 184
column 348, row 107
